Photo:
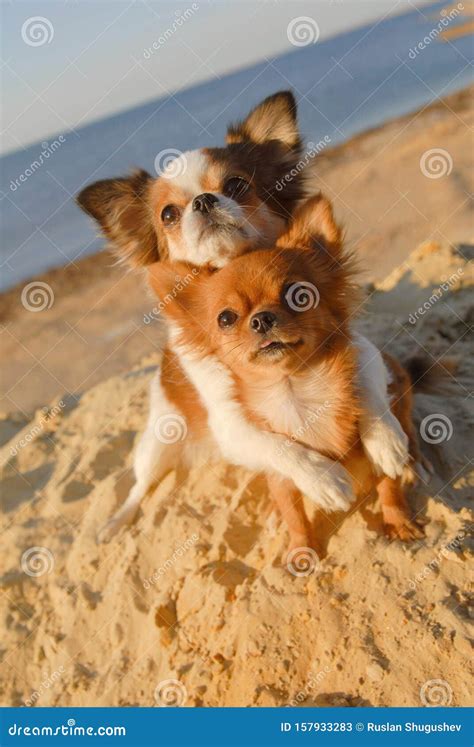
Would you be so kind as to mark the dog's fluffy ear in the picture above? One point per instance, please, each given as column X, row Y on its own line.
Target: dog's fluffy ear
column 121, row 208
column 273, row 119
column 313, row 224
column 178, row 285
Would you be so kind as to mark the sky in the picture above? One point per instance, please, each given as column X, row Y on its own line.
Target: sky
column 69, row 62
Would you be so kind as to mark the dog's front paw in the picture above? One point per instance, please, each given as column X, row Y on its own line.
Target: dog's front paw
column 386, row 445
column 329, row 485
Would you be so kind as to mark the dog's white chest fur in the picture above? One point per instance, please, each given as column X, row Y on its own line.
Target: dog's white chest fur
column 303, row 408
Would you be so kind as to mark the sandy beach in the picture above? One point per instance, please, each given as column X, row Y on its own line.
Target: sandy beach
column 195, row 598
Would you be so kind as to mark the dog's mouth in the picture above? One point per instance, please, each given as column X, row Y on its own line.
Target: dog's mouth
column 277, row 348
column 219, row 221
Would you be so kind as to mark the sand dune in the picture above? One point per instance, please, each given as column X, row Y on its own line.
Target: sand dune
column 197, row 592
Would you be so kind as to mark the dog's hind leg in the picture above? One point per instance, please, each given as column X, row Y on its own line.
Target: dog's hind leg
column 395, row 511
column 154, row 457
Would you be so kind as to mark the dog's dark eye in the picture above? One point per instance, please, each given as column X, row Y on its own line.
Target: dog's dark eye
column 170, row 214
column 235, row 187
column 227, row 318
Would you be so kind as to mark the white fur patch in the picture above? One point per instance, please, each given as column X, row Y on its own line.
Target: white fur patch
column 322, row 480
column 187, row 172
column 383, row 439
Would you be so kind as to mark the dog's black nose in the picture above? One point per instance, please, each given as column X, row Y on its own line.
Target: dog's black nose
column 205, row 202
column 263, row 321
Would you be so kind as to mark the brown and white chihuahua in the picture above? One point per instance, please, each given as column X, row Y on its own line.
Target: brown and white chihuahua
column 207, row 207
column 280, row 320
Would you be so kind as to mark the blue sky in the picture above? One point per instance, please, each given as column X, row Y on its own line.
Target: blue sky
column 94, row 60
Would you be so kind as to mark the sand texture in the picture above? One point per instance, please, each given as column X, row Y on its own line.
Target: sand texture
column 197, row 590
